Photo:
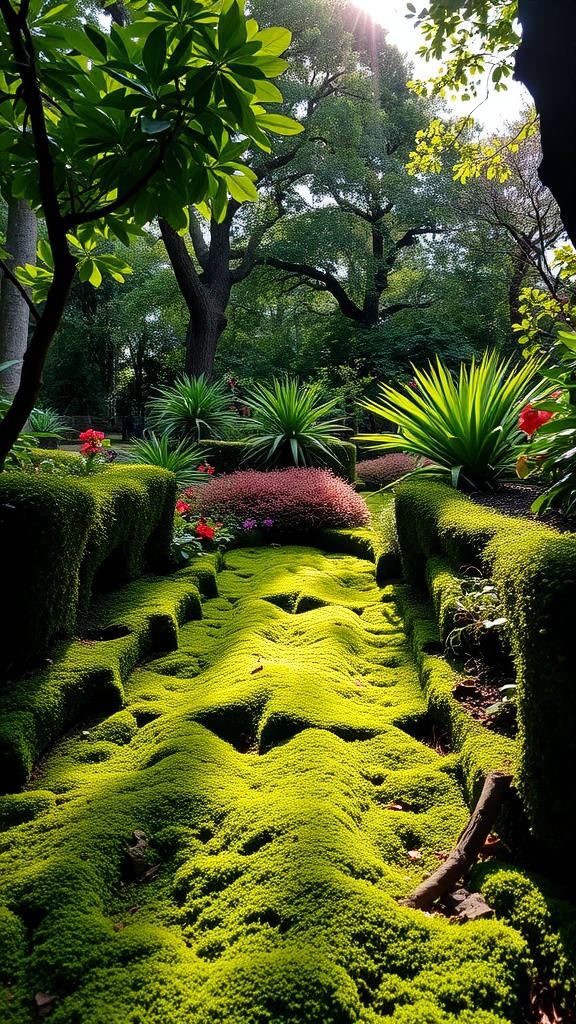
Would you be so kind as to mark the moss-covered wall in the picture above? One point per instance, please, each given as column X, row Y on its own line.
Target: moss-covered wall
column 442, row 533
column 61, row 537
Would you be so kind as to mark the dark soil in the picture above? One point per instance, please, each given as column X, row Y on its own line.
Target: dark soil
column 516, row 499
column 479, row 685
column 478, row 688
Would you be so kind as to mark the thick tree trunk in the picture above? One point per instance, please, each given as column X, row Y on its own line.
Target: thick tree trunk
column 546, row 64
column 21, row 241
column 206, row 295
column 35, row 357
column 202, row 338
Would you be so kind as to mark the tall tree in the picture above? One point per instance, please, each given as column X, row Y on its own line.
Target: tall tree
column 348, row 88
column 477, row 38
column 21, row 241
column 103, row 132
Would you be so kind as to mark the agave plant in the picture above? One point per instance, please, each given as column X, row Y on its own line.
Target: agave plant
column 193, row 406
column 182, row 458
column 289, row 425
column 47, row 423
column 467, row 429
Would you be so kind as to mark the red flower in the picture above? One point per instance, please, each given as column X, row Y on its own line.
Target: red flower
column 182, row 507
column 92, row 435
column 201, row 469
column 205, row 531
column 210, row 470
column 531, row 419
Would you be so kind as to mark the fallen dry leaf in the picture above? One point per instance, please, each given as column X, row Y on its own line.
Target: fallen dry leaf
column 399, row 805
column 414, row 855
column 118, row 926
column 358, row 682
column 257, row 669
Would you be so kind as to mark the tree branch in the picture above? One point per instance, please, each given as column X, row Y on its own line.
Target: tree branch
column 7, row 273
column 325, row 278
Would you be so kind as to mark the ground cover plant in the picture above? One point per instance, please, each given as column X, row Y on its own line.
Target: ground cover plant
column 293, row 499
column 230, row 846
column 386, row 469
column 467, row 429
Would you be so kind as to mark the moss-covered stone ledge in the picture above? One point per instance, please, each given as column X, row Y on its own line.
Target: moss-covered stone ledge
column 85, row 677
column 63, row 537
column 534, row 570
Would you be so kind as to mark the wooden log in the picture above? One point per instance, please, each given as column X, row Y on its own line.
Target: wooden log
column 470, row 843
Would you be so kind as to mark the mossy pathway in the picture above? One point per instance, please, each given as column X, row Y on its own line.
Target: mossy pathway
column 262, row 761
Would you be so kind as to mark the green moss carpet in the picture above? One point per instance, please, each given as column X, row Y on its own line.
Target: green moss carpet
column 226, row 848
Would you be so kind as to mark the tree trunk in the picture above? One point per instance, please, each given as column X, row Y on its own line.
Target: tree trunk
column 206, row 296
column 202, row 338
column 546, row 64
column 21, row 241
column 35, row 356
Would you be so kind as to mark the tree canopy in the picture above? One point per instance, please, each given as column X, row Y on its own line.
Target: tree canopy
column 102, row 131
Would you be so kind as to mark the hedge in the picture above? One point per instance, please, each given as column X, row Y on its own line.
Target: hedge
column 63, row 537
column 534, row 570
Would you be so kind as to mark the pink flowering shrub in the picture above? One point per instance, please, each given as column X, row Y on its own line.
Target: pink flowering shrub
column 385, row 470
column 292, row 499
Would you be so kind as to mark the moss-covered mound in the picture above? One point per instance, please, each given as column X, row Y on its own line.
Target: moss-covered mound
column 228, row 849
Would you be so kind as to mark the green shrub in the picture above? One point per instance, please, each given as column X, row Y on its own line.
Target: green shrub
column 290, row 425
column 193, row 407
column 469, row 429
column 181, row 458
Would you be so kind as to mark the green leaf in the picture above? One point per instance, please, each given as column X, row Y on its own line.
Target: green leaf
column 241, row 189
column 154, row 52
column 98, row 40
column 151, row 127
column 279, row 124
column 231, row 27
column 275, row 40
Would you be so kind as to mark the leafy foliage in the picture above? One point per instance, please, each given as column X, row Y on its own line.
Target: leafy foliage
column 194, row 406
column 141, row 120
column 290, row 423
column 469, row 428
column 182, row 458
column 385, row 470
column 552, row 452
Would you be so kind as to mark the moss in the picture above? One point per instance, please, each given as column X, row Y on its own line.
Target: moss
column 534, row 569
column 541, row 914
column 278, row 872
column 536, row 579
column 85, row 677
column 62, row 536
column 433, row 519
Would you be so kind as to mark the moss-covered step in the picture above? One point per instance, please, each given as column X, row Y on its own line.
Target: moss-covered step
column 270, row 864
column 85, row 676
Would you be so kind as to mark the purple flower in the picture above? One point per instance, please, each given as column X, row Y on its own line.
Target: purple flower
column 268, row 523
column 249, row 524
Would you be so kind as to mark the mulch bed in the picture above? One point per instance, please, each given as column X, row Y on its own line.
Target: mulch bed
column 516, row 499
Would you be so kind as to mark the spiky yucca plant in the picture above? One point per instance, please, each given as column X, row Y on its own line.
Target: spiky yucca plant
column 289, row 425
column 182, row 458
column 193, row 406
column 467, row 428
